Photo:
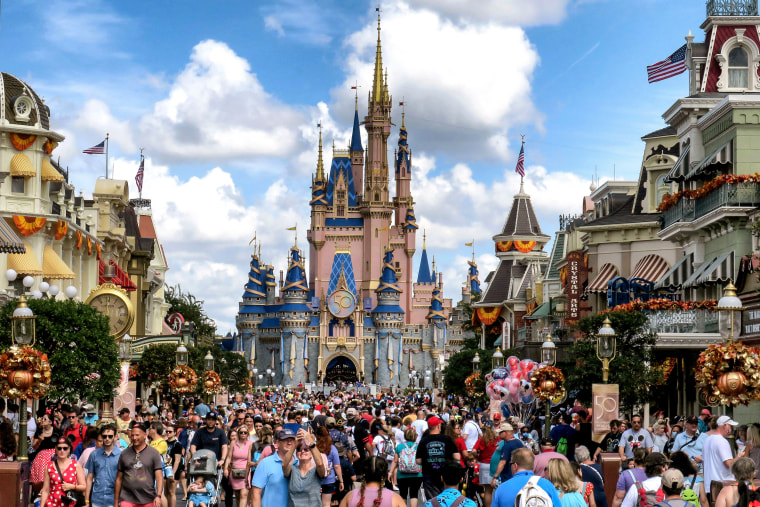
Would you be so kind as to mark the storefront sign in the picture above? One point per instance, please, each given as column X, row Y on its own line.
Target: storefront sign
column 576, row 275
column 751, row 321
column 606, row 400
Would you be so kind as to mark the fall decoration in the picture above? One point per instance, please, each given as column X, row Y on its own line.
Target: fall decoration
column 24, row 373
column 89, row 246
column 22, row 141
column 670, row 200
column 98, row 250
column 183, row 379
column 525, row 246
column 28, row 225
column 503, row 246
column 665, row 304
column 548, row 382
column 726, row 358
column 248, row 385
column 61, row 229
column 469, row 383
column 486, row 315
column 49, row 146
column 212, row 383
column 133, row 371
column 79, row 240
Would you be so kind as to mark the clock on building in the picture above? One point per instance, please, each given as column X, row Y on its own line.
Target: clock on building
column 113, row 302
column 341, row 303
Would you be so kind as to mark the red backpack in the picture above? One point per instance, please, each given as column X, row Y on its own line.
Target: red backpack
column 649, row 498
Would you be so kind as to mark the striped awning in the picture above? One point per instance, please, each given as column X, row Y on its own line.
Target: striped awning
column 120, row 278
column 650, row 268
column 22, row 166
column 679, row 169
column 24, row 263
column 53, row 267
column 10, row 242
column 50, row 173
column 606, row 273
column 723, row 155
column 678, row 274
column 720, row 271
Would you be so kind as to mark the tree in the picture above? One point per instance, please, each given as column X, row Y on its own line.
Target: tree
column 76, row 339
column 192, row 310
column 632, row 367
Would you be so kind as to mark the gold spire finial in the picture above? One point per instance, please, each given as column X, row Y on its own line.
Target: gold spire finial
column 356, row 95
column 424, row 238
column 320, row 164
column 378, row 84
column 403, row 113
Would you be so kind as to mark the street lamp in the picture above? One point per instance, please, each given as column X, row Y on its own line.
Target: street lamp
column 606, row 347
column 181, row 359
column 497, row 361
column 476, row 363
column 729, row 313
column 22, row 328
column 208, row 365
column 548, row 351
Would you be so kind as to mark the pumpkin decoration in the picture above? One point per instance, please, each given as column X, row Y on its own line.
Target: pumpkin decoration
column 732, row 383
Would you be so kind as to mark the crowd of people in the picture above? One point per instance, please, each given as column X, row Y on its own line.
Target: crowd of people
column 291, row 448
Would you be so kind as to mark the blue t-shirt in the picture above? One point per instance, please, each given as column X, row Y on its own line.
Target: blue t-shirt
column 332, row 460
column 506, row 455
column 504, row 496
column 566, row 431
column 273, row 484
column 103, row 467
column 448, row 497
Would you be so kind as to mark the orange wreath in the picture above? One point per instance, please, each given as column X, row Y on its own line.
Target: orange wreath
column 22, row 141
column 79, row 240
column 503, row 246
column 488, row 315
column 49, row 146
column 212, row 384
column 525, row 246
column 28, row 225
column 61, row 229
column 89, row 246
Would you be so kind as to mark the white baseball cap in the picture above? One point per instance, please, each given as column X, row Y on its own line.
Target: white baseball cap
column 724, row 419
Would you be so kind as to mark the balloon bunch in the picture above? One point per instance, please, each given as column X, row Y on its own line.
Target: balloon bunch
column 511, row 386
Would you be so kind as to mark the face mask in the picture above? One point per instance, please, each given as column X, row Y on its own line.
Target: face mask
column 674, row 434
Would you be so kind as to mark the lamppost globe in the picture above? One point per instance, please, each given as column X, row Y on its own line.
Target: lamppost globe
column 22, row 323
column 255, row 371
column 548, row 351
column 54, row 290
column 497, row 361
column 729, row 309
column 36, row 294
column 70, row 292
column 182, row 355
column 606, row 347
column 11, row 275
column 476, row 363
column 28, row 281
column 208, row 361
column 44, row 287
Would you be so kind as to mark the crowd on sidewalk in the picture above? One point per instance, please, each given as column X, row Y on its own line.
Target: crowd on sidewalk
column 292, row 448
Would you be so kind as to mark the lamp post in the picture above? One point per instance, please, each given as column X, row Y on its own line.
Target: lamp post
column 497, row 361
column 476, row 363
column 22, row 328
column 181, row 359
column 208, row 365
column 255, row 372
column 729, row 313
column 549, row 358
column 606, row 347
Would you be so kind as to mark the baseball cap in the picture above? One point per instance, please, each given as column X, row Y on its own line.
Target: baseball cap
column 330, row 422
column 211, row 415
column 506, row 427
column 656, row 458
column 692, row 419
column 284, row 434
column 672, row 478
column 89, row 408
column 724, row 419
column 496, row 417
column 434, row 421
column 351, row 412
column 705, row 412
column 547, row 441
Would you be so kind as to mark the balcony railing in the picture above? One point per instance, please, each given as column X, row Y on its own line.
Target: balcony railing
column 730, row 194
column 731, row 8
column 682, row 321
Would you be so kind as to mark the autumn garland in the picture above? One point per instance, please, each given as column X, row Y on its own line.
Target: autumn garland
column 216, row 383
column 24, row 359
column 723, row 358
column 186, row 373
column 469, row 383
column 548, row 373
column 670, row 200
column 665, row 304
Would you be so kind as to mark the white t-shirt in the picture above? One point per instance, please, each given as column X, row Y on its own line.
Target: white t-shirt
column 472, row 431
column 631, row 440
column 378, row 447
column 715, row 451
column 632, row 496
column 398, row 435
column 420, row 426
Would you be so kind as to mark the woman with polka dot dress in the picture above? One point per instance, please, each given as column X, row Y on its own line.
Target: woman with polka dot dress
column 62, row 475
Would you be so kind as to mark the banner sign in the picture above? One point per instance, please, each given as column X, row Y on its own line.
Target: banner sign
column 606, row 403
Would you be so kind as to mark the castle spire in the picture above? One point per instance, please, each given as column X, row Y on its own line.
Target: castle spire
column 378, row 85
column 320, row 164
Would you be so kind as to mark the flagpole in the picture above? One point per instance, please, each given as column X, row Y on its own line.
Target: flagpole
column 142, row 161
column 106, row 155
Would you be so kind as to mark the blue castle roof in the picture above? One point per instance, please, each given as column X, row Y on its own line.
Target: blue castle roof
column 296, row 277
column 342, row 262
column 436, row 306
column 254, row 287
column 356, row 137
column 388, row 281
column 424, row 275
column 472, row 278
column 411, row 220
column 402, row 155
column 341, row 166
column 388, row 309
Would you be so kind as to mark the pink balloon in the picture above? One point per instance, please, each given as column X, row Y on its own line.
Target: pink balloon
column 524, row 363
column 513, row 388
column 515, row 374
column 512, row 361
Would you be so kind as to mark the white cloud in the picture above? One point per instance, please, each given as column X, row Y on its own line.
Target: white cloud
column 80, row 26
column 217, row 109
column 298, row 19
column 508, row 12
column 465, row 86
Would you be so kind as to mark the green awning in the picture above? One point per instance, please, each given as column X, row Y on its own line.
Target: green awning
column 497, row 343
column 540, row 312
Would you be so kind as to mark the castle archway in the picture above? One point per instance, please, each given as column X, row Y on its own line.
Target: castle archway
column 341, row 369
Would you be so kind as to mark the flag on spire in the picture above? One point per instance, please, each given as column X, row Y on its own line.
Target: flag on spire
column 671, row 66
column 98, row 149
column 139, row 176
column 520, row 169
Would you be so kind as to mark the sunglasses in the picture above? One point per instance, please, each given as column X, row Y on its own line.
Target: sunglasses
column 107, row 436
column 72, row 417
column 242, row 432
column 304, row 450
column 61, row 448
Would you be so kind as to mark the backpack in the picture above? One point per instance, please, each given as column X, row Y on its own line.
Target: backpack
column 649, row 498
column 562, row 445
column 533, row 495
column 676, row 503
column 407, row 460
column 387, row 452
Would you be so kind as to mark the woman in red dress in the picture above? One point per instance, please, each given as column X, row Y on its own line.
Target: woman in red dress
column 58, row 484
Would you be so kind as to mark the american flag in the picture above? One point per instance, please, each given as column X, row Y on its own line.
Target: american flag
column 671, row 66
column 139, row 177
column 520, row 169
column 98, row 149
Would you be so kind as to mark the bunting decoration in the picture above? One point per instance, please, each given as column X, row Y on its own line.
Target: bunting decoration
column 400, row 358
column 292, row 355
column 305, row 352
column 79, row 240
column 89, row 246
column 98, row 249
column 22, row 141
column 28, row 225
column 49, row 146
column 282, row 354
column 390, row 356
column 61, row 229
column 377, row 352
column 503, row 246
column 525, row 246
column 486, row 315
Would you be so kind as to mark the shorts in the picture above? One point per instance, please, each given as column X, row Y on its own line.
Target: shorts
column 329, row 489
column 124, row 503
column 485, row 474
column 409, row 486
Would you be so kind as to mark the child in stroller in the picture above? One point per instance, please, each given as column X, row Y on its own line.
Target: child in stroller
column 201, row 492
column 203, row 469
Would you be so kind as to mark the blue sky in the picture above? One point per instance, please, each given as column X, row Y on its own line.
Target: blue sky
column 224, row 97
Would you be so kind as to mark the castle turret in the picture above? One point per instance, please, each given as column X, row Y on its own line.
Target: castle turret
column 356, row 150
column 403, row 200
column 423, row 274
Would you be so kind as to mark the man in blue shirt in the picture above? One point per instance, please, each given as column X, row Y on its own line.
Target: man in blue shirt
column 504, row 469
column 522, row 465
column 201, row 409
column 691, row 441
column 102, row 467
column 452, row 475
column 270, row 488
column 564, row 431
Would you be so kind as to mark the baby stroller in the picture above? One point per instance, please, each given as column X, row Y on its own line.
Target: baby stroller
column 204, row 463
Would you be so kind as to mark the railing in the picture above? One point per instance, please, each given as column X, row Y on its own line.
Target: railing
column 730, row 194
column 55, row 209
column 731, row 8
column 682, row 321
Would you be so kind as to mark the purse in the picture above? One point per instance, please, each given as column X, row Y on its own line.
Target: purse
column 72, row 498
column 238, row 473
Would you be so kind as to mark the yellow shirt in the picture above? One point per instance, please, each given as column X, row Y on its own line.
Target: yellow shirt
column 160, row 445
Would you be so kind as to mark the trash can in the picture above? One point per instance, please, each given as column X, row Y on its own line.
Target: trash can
column 14, row 483
column 610, row 462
